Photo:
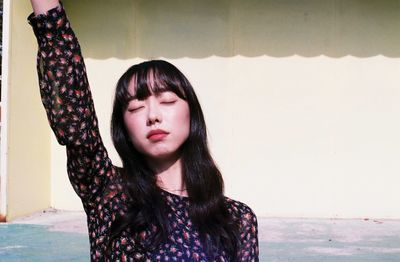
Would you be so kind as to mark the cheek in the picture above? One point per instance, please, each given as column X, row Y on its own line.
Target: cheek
column 132, row 125
column 183, row 121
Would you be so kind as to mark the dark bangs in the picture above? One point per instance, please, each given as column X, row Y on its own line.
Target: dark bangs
column 152, row 78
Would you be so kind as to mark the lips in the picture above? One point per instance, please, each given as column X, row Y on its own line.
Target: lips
column 157, row 134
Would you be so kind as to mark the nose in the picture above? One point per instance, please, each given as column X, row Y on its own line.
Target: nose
column 154, row 114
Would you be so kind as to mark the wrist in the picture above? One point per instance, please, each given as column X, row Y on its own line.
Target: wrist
column 42, row 6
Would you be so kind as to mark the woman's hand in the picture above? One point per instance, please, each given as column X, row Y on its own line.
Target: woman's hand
column 42, row 6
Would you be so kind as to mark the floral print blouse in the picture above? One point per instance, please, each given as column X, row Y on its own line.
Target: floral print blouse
column 68, row 103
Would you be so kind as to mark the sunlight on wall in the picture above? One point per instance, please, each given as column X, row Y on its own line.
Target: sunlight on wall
column 293, row 136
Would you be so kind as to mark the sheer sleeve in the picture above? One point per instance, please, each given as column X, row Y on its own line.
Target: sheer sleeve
column 249, row 250
column 67, row 99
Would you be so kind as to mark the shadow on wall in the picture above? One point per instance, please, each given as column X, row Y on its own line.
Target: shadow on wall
column 198, row 29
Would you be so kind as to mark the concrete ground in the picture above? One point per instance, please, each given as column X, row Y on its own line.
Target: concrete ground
column 284, row 239
column 281, row 239
column 57, row 220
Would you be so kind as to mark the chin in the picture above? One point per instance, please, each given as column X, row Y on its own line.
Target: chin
column 163, row 155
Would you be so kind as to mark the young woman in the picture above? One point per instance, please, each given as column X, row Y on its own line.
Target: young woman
column 166, row 202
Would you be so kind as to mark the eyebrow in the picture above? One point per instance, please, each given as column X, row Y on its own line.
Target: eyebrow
column 158, row 94
column 132, row 98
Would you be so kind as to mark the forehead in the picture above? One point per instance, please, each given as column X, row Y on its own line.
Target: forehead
column 143, row 89
column 153, row 81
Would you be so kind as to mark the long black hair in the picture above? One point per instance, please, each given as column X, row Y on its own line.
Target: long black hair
column 208, row 210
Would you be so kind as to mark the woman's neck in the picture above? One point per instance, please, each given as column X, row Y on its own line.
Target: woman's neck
column 169, row 174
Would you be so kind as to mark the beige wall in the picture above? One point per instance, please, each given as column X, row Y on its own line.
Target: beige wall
column 28, row 174
column 300, row 97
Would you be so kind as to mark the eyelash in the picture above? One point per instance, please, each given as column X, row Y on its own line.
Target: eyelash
column 134, row 109
column 168, row 102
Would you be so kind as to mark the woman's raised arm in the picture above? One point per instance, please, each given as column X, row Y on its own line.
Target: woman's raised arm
column 67, row 98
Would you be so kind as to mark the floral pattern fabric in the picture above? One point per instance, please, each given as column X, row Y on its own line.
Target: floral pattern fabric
column 68, row 102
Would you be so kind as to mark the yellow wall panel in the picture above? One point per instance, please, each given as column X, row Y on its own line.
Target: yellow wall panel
column 28, row 174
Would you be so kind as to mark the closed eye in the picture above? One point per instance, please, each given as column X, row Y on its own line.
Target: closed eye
column 168, row 102
column 135, row 109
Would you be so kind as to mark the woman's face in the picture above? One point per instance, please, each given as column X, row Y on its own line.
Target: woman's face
column 157, row 125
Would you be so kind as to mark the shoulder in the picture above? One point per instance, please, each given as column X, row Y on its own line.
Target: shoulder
column 242, row 213
column 246, row 219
